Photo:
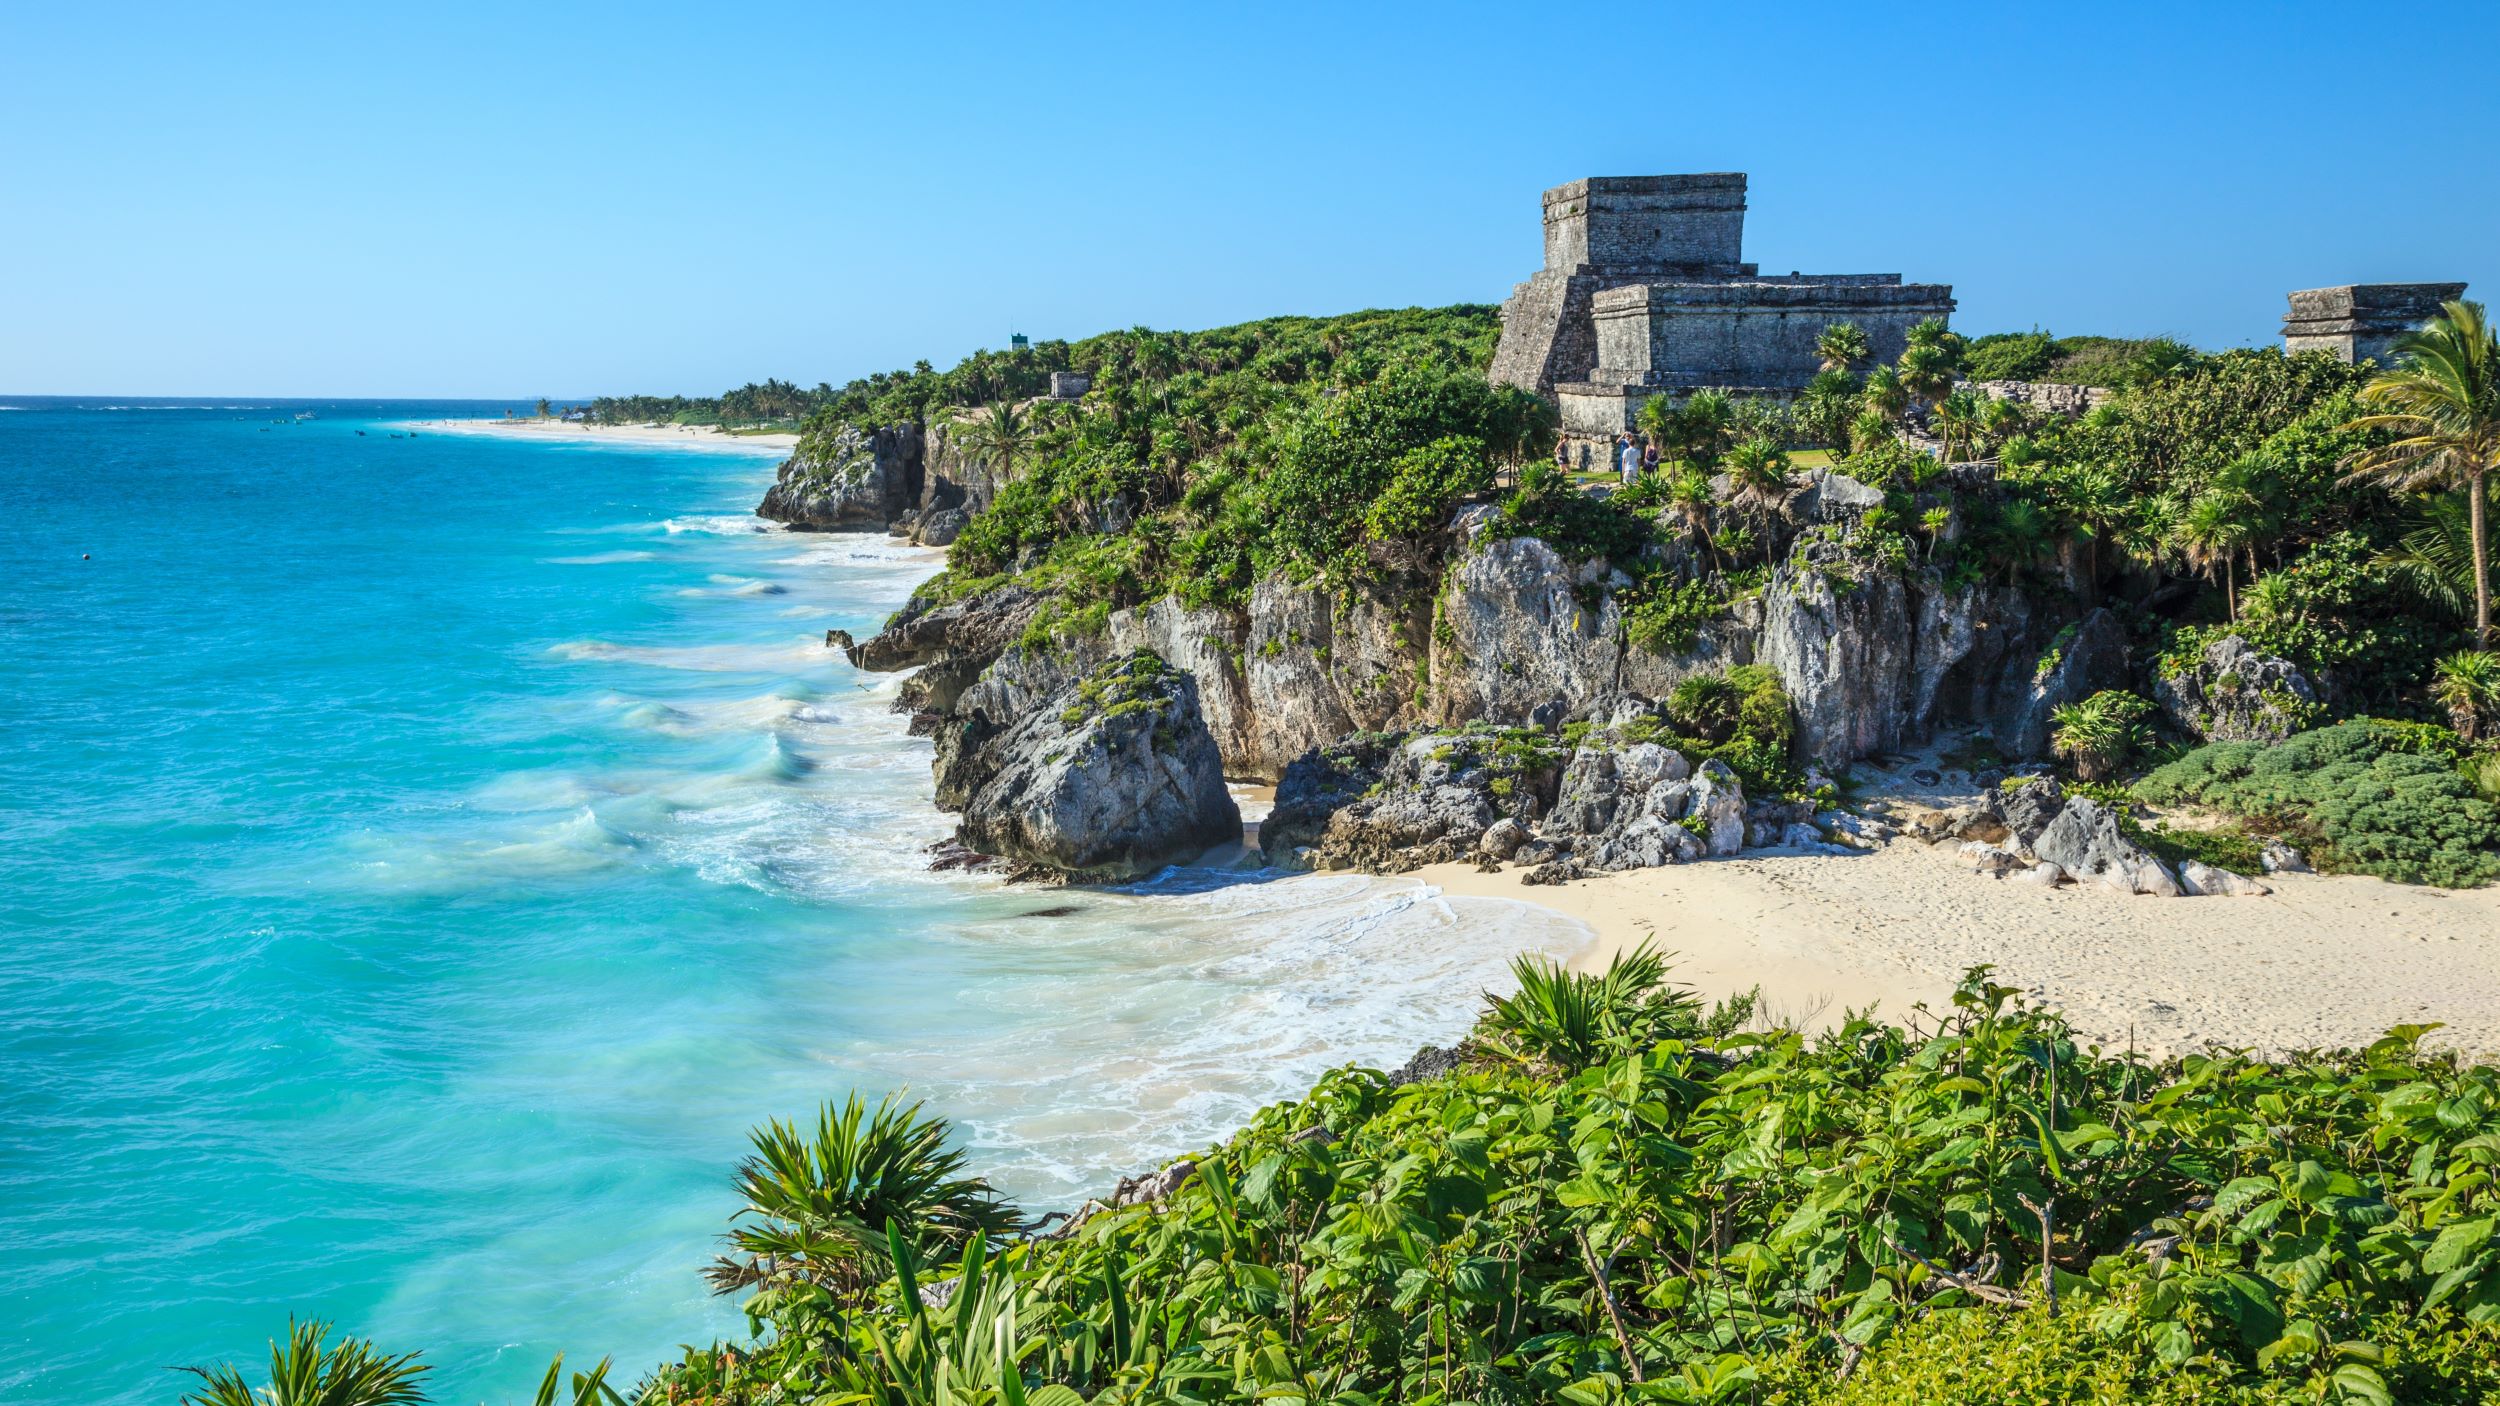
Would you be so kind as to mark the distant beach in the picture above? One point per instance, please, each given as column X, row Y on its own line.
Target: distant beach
column 674, row 436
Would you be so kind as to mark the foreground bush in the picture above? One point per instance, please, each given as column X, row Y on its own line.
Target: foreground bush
column 2366, row 796
column 1609, row 1202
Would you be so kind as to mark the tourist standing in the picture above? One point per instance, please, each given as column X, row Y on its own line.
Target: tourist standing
column 1631, row 461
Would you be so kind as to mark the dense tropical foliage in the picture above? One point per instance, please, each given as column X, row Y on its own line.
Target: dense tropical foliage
column 1620, row 1196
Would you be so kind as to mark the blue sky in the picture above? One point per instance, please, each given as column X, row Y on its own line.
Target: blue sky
column 447, row 199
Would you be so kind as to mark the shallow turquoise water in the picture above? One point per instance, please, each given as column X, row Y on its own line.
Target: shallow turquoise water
column 423, row 858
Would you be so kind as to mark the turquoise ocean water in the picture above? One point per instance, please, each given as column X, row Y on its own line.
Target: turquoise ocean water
column 422, row 858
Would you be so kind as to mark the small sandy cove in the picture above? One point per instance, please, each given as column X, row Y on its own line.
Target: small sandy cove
column 676, row 436
column 2324, row 961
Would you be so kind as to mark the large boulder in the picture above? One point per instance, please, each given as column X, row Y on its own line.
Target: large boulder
column 1638, row 805
column 2086, row 841
column 847, row 481
column 2233, row 693
column 1109, row 779
column 2084, row 658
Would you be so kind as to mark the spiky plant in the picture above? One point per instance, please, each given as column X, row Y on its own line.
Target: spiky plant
column 818, row 1206
column 308, row 1370
column 2467, row 685
column 1577, row 1019
column 2100, row 733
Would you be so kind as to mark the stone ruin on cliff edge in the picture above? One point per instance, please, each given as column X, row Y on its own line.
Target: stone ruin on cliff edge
column 1644, row 292
column 2362, row 321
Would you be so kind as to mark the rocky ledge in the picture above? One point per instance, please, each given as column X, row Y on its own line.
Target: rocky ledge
column 1110, row 779
column 1611, row 800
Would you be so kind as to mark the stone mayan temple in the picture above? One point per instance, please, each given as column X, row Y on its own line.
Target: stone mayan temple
column 2362, row 321
column 1645, row 292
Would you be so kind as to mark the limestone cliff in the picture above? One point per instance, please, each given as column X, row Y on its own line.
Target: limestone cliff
column 1874, row 658
column 925, row 485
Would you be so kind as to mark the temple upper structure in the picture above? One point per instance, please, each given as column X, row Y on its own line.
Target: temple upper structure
column 1645, row 291
column 2362, row 321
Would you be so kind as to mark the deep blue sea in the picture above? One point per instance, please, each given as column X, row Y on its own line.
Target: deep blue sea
column 424, row 856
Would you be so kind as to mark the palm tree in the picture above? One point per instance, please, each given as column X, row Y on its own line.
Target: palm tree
column 1758, row 473
column 1689, row 498
column 2442, row 400
column 999, row 435
column 1927, row 370
column 1958, row 417
column 308, row 1371
column 1885, row 394
column 1705, row 421
column 2210, row 536
column 2434, row 560
column 2467, row 684
column 2097, row 501
column 818, row 1207
column 1841, row 347
column 2000, row 421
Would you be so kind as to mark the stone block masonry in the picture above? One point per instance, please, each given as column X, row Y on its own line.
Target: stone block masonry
column 1644, row 291
column 2362, row 321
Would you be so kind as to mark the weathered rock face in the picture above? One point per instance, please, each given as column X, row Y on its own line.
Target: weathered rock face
column 849, row 482
column 1524, row 628
column 1315, row 667
column 1885, row 660
column 2232, row 693
column 1108, row 779
column 974, row 629
column 2086, row 842
column 2082, row 660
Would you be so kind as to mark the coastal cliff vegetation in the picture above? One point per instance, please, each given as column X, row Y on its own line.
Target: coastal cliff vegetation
column 1610, row 1194
column 2260, row 543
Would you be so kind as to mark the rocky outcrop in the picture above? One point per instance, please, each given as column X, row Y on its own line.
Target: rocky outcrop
column 2233, row 693
column 847, row 481
column 1391, row 802
column 1520, row 628
column 1874, row 660
column 1107, row 779
column 2081, row 660
column 2086, row 841
column 922, row 485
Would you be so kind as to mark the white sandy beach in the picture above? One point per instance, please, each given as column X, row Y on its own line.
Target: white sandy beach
column 675, row 436
column 2324, row 961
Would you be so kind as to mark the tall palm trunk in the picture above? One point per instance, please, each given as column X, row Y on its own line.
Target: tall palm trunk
column 2482, row 561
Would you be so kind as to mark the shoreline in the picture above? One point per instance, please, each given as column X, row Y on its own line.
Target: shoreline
column 2327, row 961
column 568, row 431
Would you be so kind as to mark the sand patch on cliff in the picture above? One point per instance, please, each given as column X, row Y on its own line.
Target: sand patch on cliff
column 2325, row 961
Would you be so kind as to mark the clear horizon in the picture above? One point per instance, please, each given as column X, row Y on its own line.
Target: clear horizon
column 324, row 204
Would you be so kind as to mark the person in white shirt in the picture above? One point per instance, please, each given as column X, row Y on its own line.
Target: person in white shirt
column 1631, row 460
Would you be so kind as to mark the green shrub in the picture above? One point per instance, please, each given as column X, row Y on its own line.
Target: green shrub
column 2100, row 733
column 1670, row 619
column 2371, row 796
column 2103, row 1357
